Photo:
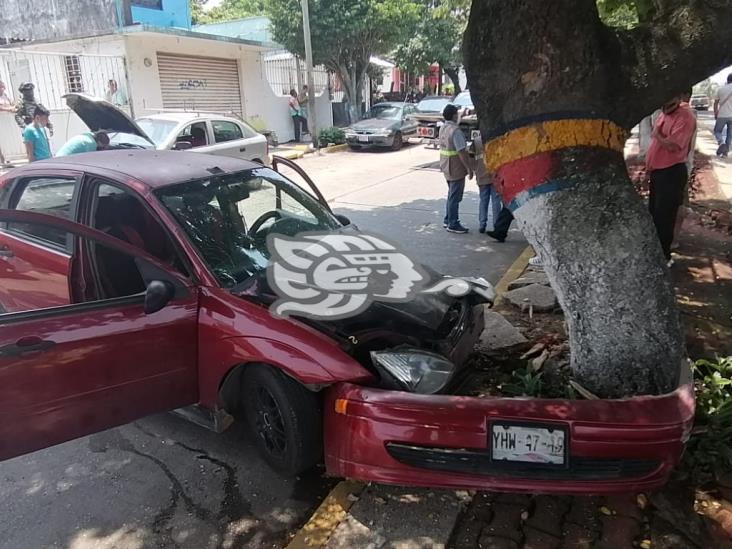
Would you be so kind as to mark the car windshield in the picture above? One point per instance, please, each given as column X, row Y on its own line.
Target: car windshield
column 433, row 105
column 157, row 130
column 228, row 218
column 463, row 99
column 388, row 112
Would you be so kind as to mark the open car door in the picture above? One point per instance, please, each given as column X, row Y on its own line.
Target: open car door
column 99, row 360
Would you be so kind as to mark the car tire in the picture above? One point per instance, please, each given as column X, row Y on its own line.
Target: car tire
column 285, row 419
column 398, row 141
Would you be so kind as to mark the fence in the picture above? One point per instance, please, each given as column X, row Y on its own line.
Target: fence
column 55, row 74
column 285, row 72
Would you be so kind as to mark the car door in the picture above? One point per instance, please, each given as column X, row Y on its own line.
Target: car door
column 101, row 360
column 34, row 260
column 409, row 125
column 233, row 139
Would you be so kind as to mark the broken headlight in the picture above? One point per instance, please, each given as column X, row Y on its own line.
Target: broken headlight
column 414, row 370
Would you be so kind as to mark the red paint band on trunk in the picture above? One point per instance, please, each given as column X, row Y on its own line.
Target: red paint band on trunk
column 523, row 174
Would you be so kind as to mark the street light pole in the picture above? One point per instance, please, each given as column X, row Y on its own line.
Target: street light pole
column 312, row 122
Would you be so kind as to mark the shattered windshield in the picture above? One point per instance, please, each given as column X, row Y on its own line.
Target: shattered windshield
column 229, row 217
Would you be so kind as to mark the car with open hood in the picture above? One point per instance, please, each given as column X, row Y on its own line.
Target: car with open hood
column 134, row 282
column 199, row 132
column 387, row 124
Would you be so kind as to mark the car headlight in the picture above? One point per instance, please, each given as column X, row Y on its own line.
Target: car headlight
column 415, row 370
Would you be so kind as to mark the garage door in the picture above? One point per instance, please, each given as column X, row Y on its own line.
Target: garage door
column 199, row 83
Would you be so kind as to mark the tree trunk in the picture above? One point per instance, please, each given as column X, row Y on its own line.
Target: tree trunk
column 454, row 74
column 541, row 77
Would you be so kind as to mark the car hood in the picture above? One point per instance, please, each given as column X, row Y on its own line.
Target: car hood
column 99, row 114
column 374, row 124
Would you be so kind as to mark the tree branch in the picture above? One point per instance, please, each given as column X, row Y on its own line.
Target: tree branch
column 683, row 44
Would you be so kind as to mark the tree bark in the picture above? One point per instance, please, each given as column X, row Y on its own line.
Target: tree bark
column 531, row 60
column 454, row 74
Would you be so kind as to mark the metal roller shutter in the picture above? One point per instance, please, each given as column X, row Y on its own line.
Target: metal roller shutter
column 199, row 83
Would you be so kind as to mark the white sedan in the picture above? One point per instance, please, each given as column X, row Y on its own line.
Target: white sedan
column 199, row 132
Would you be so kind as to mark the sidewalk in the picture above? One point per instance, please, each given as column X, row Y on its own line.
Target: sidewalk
column 402, row 518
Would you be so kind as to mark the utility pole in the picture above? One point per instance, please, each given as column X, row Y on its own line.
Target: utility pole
column 312, row 121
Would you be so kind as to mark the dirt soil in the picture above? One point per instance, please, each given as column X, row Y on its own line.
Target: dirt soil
column 680, row 516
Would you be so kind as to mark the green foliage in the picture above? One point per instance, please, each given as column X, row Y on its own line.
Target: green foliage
column 228, row 10
column 331, row 135
column 524, row 383
column 709, row 451
column 345, row 34
column 437, row 37
column 707, row 87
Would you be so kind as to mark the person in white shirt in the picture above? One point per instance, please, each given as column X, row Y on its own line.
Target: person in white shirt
column 114, row 95
column 723, row 114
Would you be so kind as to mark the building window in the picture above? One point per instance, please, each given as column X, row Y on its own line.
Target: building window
column 73, row 74
column 150, row 4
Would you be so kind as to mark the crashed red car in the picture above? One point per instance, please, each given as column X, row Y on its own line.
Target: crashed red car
column 134, row 282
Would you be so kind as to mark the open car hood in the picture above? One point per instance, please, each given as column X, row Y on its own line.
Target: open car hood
column 99, row 114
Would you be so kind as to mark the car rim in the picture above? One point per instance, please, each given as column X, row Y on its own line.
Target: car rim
column 269, row 423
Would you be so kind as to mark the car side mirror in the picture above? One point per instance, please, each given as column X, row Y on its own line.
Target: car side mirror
column 343, row 220
column 158, row 295
column 182, row 146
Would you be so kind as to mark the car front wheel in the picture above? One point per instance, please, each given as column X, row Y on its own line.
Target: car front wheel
column 398, row 141
column 285, row 419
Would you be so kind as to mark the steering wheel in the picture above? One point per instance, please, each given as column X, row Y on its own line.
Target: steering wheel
column 274, row 214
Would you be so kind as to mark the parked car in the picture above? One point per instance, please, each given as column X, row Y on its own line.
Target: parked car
column 429, row 117
column 700, row 102
column 385, row 125
column 468, row 116
column 134, row 282
column 200, row 132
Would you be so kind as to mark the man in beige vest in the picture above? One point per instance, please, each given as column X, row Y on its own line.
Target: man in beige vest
column 455, row 165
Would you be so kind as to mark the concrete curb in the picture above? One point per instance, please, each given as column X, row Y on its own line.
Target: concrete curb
column 512, row 273
column 334, row 148
column 318, row 529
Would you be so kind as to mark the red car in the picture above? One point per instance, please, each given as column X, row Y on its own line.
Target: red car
column 133, row 282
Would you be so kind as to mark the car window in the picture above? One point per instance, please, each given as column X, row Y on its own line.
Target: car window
column 195, row 134
column 49, row 195
column 224, row 130
column 248, row 131
column 93, row 273
column 122, row 215
column 156, row 129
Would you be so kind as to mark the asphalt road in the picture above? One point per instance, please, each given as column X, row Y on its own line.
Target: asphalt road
column 162, row 482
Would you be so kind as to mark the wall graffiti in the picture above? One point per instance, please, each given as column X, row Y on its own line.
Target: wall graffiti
column 192, row 84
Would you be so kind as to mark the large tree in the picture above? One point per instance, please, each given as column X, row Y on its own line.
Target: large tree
column 436, row 38
column 225, row 11
column 556, row 90
column 345, row 34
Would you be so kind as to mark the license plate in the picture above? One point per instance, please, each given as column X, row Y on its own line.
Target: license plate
column 363, row 138
column 426, row 132
column 520, row 443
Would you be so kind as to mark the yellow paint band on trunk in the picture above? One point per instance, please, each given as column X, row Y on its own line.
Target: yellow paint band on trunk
column 553, row 135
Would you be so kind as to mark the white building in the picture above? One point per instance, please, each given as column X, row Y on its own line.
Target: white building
column 157, row 69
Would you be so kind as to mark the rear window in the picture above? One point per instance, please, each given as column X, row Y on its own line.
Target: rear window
column 432, row 105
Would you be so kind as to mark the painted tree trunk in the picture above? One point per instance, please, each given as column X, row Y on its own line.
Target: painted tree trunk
column 539, row 74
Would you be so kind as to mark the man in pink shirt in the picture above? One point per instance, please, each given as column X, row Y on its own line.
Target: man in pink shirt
column 666, row 164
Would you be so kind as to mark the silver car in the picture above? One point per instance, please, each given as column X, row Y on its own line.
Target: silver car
column 197, row 132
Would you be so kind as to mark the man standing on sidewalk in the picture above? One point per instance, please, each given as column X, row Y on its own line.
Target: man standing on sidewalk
column 488, row 195
column 666, row 164
column 34, row 135
column 455, row 165
column 723, row 115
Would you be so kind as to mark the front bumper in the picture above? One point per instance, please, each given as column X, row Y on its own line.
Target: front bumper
column 441, row 441
column 372, row 140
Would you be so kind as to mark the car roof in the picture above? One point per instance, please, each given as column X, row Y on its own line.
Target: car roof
column 186, row 116
column 153, row 168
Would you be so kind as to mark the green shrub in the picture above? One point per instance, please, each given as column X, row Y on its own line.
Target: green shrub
column 331, row 135
column 709, row 452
